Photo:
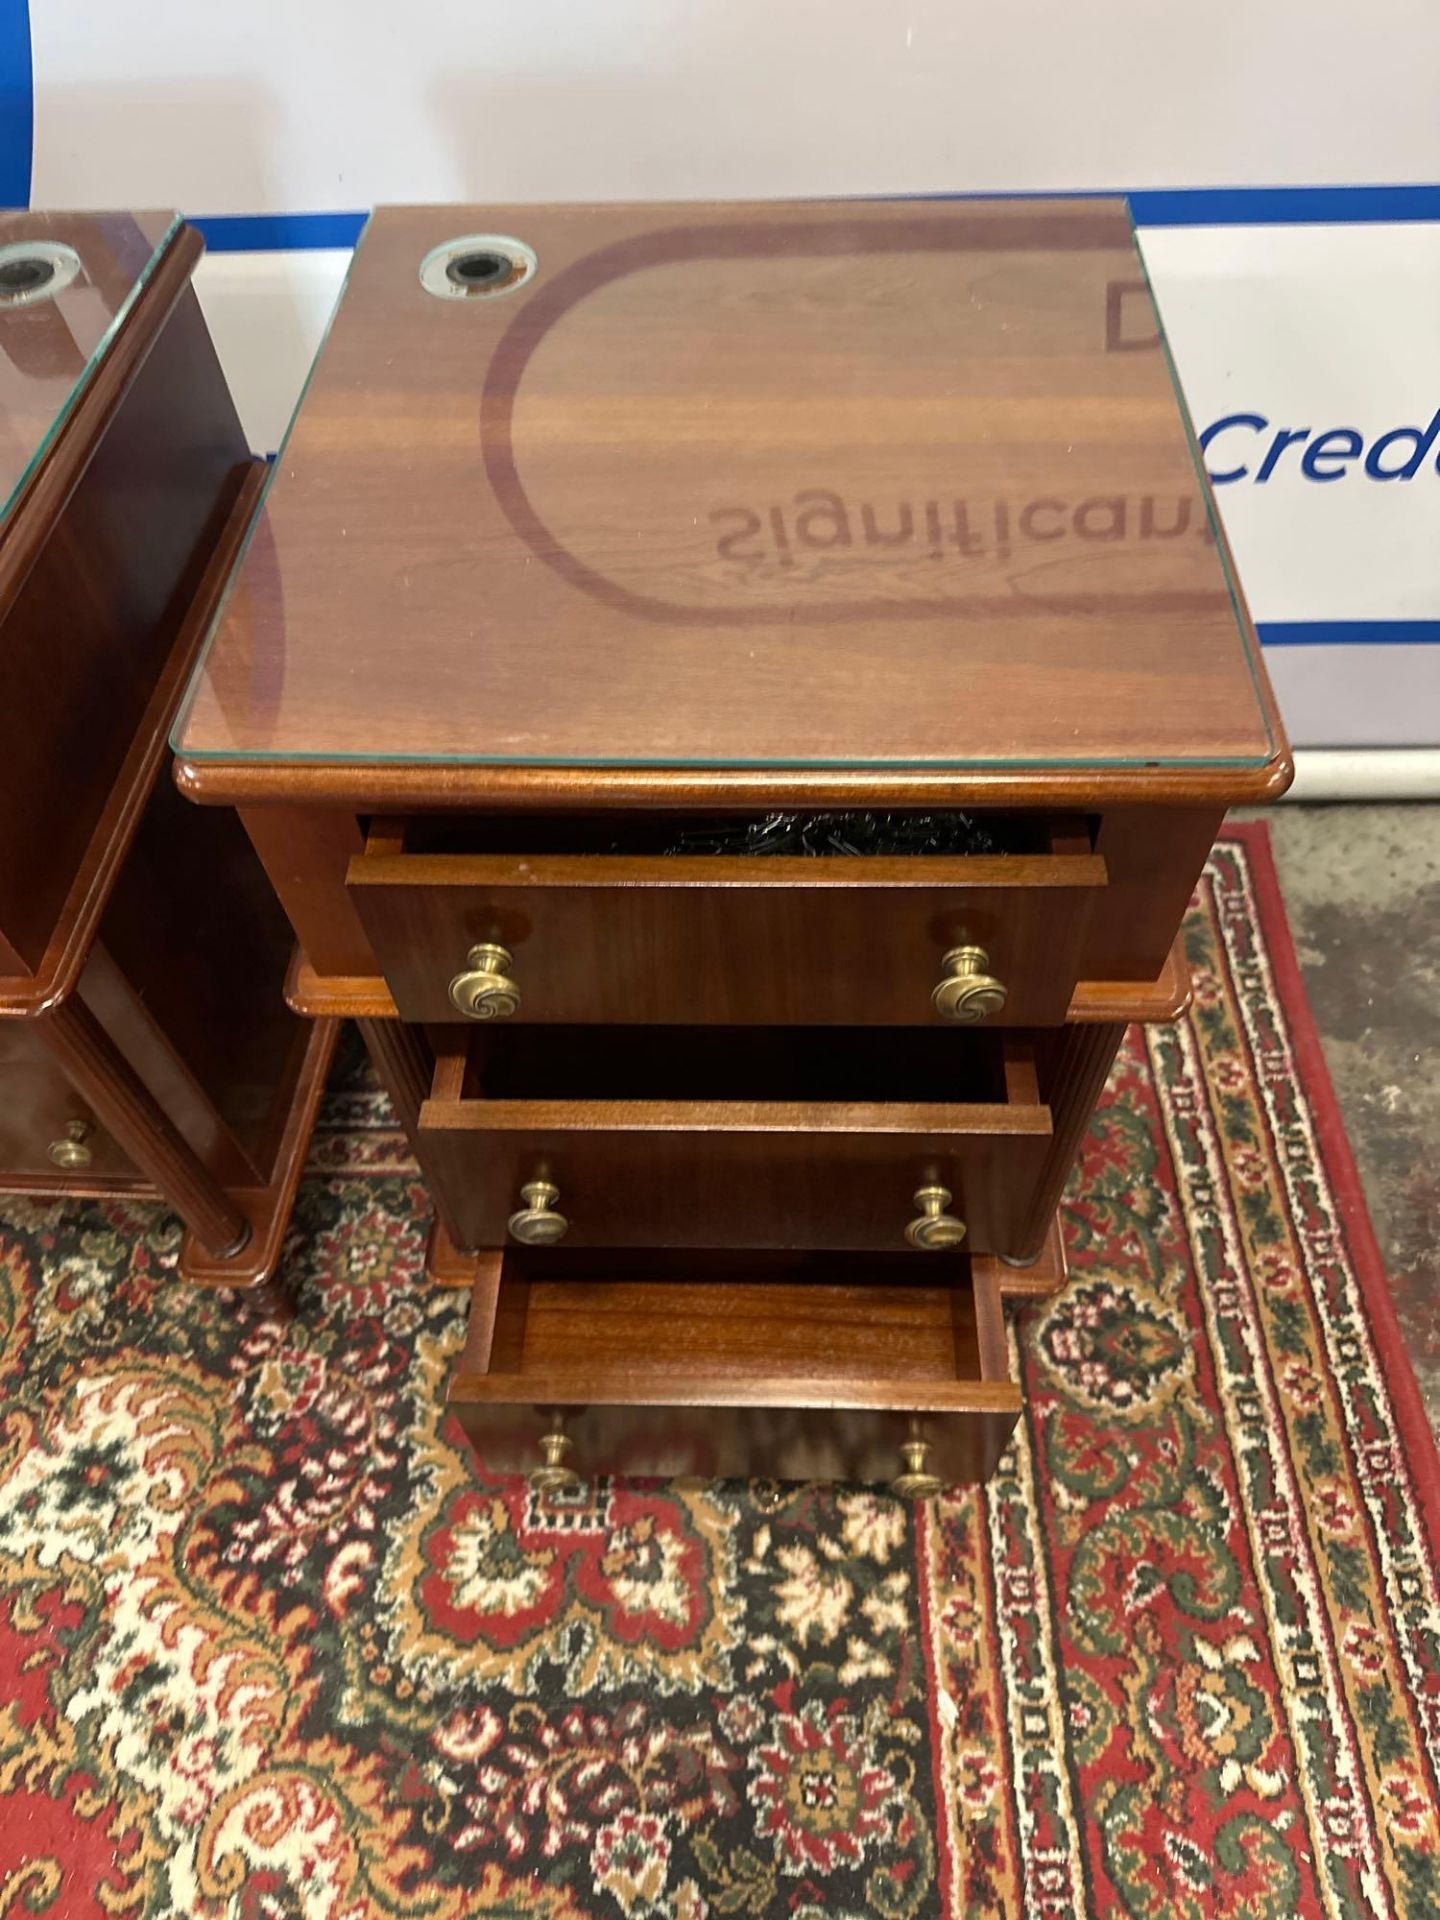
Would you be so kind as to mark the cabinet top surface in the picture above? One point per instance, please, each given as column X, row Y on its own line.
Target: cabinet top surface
column 857, row 485
column 67, row 283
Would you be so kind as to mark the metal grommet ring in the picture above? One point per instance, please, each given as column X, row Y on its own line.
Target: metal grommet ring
column 33, row 270
column 477, row 265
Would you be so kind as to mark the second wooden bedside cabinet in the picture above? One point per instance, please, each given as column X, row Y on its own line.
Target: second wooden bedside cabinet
column 144, row 1048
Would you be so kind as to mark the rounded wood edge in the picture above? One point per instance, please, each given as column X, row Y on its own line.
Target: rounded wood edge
column 962, row 1121
column 377, row 786
column 31, row 996
column 447, row 1265
column 65, row 1186
column 1277, row 778
column 336, row 997
column 1044, row 1276
column 1108, row 1001
column 781, row 1393
column 366, row 997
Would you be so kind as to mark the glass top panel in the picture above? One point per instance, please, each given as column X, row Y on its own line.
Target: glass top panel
column 67, row 281
column 848, row 484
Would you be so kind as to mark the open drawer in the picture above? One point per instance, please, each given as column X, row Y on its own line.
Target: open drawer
column 711, row 1137
column 537, row 925
column 816, row 1366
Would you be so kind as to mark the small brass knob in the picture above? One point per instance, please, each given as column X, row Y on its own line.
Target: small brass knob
column 70, row 1150
column 916, row 1482
column 968, row 993
column 539, row 1223
column 933, row 1229
column 485, row 991
column 554, row 1476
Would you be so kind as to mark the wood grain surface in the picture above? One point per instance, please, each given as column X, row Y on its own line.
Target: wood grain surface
column 53, row 349
column 842, row 941
column 139, row 489
column 884, row 486
column 728, row 1138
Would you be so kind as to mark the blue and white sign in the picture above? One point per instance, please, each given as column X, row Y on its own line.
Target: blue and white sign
column 1304, row 319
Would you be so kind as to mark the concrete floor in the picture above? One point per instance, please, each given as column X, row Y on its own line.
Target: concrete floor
column 1362, row 889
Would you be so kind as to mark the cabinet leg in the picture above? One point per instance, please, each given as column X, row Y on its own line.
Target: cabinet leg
column 446, row 1265
column 1078, row 1072
column 1026, row 1279
column 268, row 1300
column 128, row 1111
column 404, row 1064
column 402, row 1059
column 268, row 1207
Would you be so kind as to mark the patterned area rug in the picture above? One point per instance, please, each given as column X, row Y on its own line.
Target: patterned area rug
column 273, row 1645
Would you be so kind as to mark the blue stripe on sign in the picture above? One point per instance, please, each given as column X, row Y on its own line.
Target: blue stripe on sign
column 277, row 232
column 1349, row 633
column 17, row 104
column 1281, row 206
column 1152, row 207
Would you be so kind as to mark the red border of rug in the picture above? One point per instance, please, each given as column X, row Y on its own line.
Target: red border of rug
column 1417, row 1437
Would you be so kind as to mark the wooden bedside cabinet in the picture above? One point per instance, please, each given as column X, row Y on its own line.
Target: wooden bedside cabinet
column 144, row 1045
column 735, row 700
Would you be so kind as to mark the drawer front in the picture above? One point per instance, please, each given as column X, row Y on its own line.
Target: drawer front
column 840, row 941
column 735, row 1138
column 820, row 1367
column 863, row 1446
column 41, row 1111
column 763, row 1183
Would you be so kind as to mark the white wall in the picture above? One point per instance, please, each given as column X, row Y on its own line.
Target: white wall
column 287, row 106
column 315, row 103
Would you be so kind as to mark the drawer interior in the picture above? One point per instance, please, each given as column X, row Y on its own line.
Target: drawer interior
column 628, row 1322
column 809, row 832
column 860, row 1065
column 789, row 1364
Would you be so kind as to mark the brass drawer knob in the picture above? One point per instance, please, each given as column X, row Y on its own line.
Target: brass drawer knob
column 70, row 1151
column 933, row 1229
column 539, row 1223
column 968, row 992
column 553, row 1476
column 485, row 991
column 916, row 1482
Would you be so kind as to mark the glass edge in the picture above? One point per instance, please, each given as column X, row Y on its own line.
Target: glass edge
column 87, row 372
column 202, row 658
column 1239, row 606
column 242, row 756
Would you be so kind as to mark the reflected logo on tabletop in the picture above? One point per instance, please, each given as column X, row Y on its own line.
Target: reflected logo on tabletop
column 1249, row 447
column 822, row 521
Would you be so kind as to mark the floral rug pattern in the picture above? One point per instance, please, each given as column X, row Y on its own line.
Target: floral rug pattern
column 272, row 1643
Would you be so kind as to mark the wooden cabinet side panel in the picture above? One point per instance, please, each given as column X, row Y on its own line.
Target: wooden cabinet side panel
column 1072, row 1078
column 199, row 937
column 95, row 619
column 305, row 852
column 1154, row 857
